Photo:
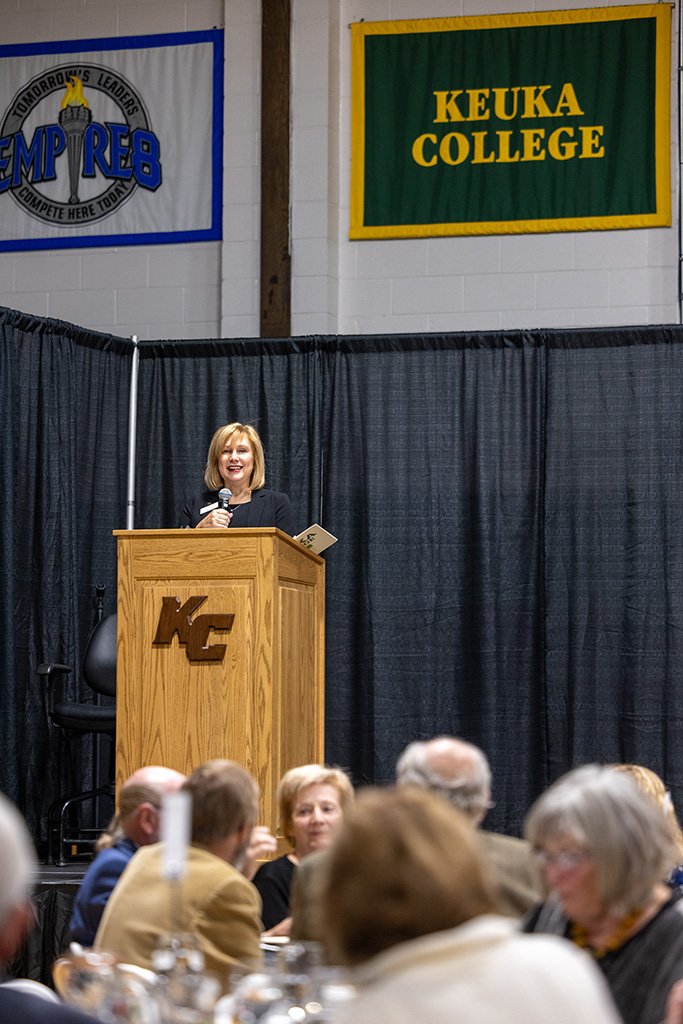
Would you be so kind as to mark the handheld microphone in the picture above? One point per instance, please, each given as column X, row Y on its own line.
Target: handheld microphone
column 224, row 496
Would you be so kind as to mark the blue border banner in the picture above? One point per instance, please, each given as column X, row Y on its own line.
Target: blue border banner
column 110, row 142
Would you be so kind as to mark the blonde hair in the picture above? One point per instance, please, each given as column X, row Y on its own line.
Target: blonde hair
column 231, row 432
column 404, row 863
column 650, row 783
column 296, row 779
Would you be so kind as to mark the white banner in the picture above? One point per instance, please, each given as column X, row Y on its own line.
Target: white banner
column 111, row 141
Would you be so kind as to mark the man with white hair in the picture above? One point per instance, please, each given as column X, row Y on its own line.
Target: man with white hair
column 136, row 824
column 17, row 871
column 460, row 772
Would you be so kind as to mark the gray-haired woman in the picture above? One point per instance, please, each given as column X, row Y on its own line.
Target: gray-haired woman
column 603, row 848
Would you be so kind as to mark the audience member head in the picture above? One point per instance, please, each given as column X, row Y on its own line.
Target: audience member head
column 403, row 864
column 224, row 808
column 311, row 802
column 227, row 435
column 650, row 783
column 18, row 868
column 599, row 820
column 139, row 806
column 454, row 768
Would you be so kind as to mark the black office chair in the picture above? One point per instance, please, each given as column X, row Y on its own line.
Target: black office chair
column 76, row 719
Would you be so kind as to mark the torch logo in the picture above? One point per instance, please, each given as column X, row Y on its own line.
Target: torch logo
column 76, row 161
column 74, row 118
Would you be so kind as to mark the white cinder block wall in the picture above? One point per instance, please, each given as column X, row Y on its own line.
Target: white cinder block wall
column 338, row 287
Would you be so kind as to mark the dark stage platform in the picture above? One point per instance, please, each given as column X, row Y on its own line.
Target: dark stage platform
column 54, row 894
column 50, row 874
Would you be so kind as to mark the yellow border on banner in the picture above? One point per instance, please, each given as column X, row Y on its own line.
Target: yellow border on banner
column 661, row 217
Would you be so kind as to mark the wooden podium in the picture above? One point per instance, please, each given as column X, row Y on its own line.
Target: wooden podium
column 220, row 653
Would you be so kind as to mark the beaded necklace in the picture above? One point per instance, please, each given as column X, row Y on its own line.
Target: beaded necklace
column 579, row 935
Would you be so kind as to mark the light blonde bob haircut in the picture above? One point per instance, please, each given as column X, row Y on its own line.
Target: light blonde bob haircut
column 296, row 779
column 224, row 800
column 226, row 435
column 621, row 828
column 650, row 783
column 403, row 863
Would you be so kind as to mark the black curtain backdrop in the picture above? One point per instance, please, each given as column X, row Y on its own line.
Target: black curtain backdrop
column 189, row 389
column 63, row 408
column 434, row 615
column 509, row 566
column 614, row 550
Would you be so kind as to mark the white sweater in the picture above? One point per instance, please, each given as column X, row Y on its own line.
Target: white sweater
column 484, row 972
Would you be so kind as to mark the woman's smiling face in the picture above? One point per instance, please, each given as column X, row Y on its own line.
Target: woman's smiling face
column 236, row 463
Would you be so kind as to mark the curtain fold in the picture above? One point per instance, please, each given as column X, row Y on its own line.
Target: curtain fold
column 614, row 549
column 63, row 404
column 434, row 605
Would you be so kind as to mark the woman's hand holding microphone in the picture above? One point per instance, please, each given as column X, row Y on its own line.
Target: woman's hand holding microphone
column 218, row 518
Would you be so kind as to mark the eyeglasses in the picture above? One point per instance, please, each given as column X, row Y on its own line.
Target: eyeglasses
column 565, row 860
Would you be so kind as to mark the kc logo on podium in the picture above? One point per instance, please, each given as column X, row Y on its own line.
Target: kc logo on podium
column 192, row 633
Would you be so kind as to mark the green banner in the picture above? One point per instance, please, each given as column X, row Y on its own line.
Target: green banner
column 514, row 123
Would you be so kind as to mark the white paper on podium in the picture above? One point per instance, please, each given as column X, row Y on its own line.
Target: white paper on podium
column 316, row 539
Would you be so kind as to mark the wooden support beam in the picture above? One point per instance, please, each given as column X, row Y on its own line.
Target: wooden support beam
column 276, row 275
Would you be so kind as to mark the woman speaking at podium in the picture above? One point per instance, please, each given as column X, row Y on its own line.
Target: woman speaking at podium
column 236, row 463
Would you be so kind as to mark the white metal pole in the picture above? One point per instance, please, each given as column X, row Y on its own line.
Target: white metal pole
column 132, row 435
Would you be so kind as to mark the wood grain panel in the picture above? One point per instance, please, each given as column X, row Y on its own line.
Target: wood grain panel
column 294, row 568
column 262, row 705
column 301, row 709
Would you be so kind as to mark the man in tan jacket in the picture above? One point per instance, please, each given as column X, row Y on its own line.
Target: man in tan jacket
column 215, row 902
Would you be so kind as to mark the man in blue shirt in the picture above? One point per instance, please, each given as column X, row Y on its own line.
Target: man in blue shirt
column 136, row 824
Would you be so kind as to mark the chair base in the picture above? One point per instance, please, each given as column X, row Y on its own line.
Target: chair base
column 61, row 835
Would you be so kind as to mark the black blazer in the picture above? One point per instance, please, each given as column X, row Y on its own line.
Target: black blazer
column 266, row 508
